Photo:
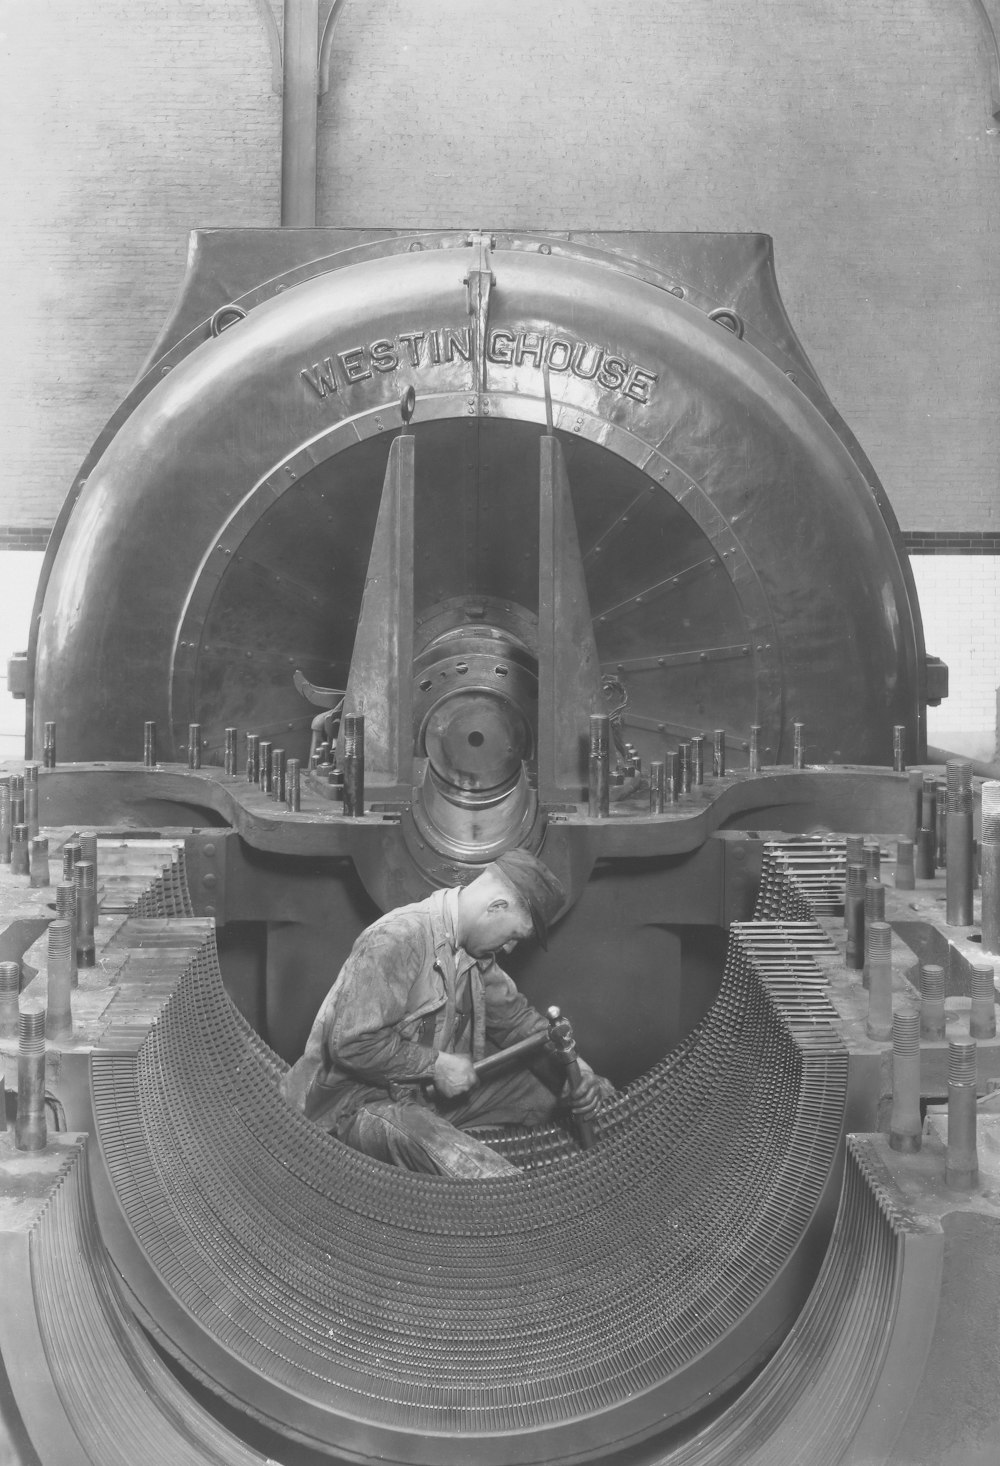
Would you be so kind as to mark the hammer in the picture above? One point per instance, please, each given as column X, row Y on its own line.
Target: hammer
column 558, row 1037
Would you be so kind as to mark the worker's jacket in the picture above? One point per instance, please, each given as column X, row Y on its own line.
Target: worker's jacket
column 392, row 1010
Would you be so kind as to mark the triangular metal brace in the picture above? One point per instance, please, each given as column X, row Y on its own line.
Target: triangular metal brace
column 380, row 682
column 569, row 673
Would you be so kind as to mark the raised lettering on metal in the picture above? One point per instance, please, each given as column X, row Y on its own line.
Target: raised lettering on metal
column 505, row 346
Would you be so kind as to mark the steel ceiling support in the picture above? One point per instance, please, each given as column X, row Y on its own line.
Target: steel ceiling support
column 569, row 682
column 299, row 98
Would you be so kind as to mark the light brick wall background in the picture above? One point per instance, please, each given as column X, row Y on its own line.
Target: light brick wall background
column 859, row 135
column 959, row 596
column 123, row 124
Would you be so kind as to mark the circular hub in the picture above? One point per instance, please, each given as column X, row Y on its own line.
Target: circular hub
column 475, row 704
column 477, row 740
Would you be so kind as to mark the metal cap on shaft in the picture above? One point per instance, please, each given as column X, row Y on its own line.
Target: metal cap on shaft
column 962, row 1157
column 905, row 1124
column 30, row 1131
column 879, row 1025
column 982, row 1012
column 58, row 1010
column 932, row 1014
column 10, row 987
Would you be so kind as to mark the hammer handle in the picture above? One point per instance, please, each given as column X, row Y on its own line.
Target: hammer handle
column 523, row 1049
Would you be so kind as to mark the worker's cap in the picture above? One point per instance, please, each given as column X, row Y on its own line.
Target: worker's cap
column 537, row 887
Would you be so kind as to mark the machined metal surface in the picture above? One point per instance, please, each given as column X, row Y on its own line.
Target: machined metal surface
column 701, row 602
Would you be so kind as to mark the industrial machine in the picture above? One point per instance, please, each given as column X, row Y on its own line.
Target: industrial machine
column 408, row 548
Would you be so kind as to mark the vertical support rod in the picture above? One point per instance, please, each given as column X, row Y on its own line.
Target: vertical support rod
column 29, row 1131
column 19, row 857
column 299, row 102
column 16, row 800
column 673, row 775
column 879, row 1024
column 31, row 799
column 656, row 787
column 941, row 808
column 6, row 822
column 854, row 915
column 719, row 752
column 958, row 872
column 874, row 911
column 38, row 862
column 66, row 911
column 932, row 1014
column 962, row 1157
column 599, row 779
column 915, row 779
column 264, row 753
column 905, row 877
column 72, row 852
column 62, row 963
column 989, row 857
column 354, row 763
column 904, row 1125
column 899, row 748
column 84, row 879
column 10, row 987
column 278, row 775
column 982, row 1011
column 293, row 786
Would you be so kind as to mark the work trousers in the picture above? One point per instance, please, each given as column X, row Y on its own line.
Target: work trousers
column 431, row 1136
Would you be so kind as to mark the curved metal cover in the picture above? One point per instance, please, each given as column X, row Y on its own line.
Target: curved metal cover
column 738, row 561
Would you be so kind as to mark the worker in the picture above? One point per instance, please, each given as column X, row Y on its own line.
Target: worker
column 388, row 1065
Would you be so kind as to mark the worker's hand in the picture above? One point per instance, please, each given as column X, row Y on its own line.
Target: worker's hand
column 454, row 1074
column 593, row 1091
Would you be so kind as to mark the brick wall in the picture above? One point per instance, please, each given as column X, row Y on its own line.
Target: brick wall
column 859, row 135
column 125, row 123
column 960, row 604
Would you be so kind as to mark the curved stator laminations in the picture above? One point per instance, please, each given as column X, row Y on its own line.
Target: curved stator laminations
column 592, row 1303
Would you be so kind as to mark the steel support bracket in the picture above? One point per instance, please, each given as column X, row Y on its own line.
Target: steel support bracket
column 569, row 672
column 478, row 282
column 936, row 673
column 743, row 854
column 380, row 682
column 206, row 858
column 17, row 674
